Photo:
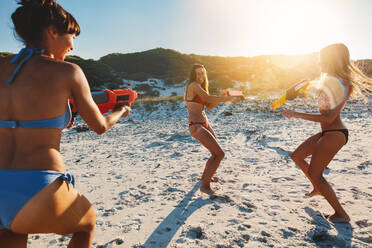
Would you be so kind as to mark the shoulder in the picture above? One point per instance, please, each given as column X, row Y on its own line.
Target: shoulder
column 335, row 88
column 62, row 65
column 334, row 84
column 62, row 68
column 60, row 72
column 194, row 85
column 327, row 79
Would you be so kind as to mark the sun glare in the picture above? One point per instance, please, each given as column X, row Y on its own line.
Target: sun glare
column 277, row 26
column 297, row 27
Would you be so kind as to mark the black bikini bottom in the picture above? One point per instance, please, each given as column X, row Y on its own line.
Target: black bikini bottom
column 344, row 131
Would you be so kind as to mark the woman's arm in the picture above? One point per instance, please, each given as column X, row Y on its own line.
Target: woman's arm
column 323, row 118
column 209, row 106
column 326, row 117
column 213, row 101
column 87, row 108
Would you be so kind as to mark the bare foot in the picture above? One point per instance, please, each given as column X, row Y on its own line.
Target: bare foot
column 313, row 193
column 207, row 190
column 339, row 218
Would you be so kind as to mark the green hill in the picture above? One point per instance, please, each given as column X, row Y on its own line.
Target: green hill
column 98, row 74
column 261, row 73
column 173, row 67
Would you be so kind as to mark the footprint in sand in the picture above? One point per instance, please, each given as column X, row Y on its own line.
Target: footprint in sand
column 363, row 223
column 365, row 239
column 117, row 241
column 357, row 193
column 52, row 242
column 109, row 212
column 286, row 234
column 364, row 165
column 215, row 207
column 35, row 237
column 282, row 179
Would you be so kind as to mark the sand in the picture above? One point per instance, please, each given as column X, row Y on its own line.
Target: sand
column 142, row 178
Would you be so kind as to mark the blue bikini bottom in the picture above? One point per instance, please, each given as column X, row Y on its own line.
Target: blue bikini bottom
column 17, row 187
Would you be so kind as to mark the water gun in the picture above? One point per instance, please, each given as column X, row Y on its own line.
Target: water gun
column 291, row 94
column 109, row 99
column 237, row 93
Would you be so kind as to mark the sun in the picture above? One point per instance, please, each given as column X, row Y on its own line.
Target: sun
column 297, row 27
column 284, row 26
column 252, row 27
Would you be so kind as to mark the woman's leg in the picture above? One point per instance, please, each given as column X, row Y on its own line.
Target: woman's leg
column 326, row 149
column 207, row 139
column 58, row 208
column 209, row 128
column 11, row 239
column 303, row 151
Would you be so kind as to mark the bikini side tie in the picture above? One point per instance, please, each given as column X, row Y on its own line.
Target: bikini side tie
column 68, row 177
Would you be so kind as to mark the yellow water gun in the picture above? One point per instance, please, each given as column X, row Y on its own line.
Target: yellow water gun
column 291, row 93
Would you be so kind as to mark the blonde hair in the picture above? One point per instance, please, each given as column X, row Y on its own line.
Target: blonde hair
column 335, row 61
column 192, row 78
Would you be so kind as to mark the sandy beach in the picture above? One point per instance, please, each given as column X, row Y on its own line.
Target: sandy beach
column 142, row 178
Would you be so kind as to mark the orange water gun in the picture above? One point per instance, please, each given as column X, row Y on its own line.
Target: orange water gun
column 291, row 94
column 110, row 99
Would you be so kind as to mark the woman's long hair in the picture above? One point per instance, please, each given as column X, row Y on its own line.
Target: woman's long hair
column 192, row 78
column 335, row 61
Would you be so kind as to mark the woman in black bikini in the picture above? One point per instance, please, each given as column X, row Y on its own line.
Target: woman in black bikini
column 338, row 73
column 197, row 97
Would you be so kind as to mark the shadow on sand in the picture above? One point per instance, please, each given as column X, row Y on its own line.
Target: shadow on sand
column 321, row 234
column 164, row 233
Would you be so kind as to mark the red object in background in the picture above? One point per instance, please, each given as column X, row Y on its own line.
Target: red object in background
column 107, row 100
column 232, row 93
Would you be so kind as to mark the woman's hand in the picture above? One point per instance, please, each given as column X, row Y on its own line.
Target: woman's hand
column 71, row 124
column 236, row 99
column 127, row 111
column 124, row 108
column 289, row 113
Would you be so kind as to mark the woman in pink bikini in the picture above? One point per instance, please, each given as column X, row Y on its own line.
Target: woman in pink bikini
column 340, row 80
column 196, row 98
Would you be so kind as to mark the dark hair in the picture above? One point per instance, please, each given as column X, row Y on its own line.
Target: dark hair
column 33, row 16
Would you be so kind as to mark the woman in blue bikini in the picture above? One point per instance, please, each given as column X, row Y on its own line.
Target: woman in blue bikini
column 36, row 193
column 340, row 80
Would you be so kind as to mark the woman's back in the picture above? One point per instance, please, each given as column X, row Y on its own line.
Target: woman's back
column 39, row 91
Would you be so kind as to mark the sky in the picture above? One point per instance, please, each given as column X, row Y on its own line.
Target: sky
column 211, row 27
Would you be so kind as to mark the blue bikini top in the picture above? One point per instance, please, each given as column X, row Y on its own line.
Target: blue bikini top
column 57, row 122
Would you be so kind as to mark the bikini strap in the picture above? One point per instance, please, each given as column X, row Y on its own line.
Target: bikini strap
column 24, row 51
